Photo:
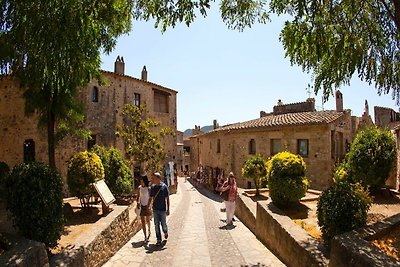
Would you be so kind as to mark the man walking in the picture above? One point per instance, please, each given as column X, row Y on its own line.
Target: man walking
column 159, row 197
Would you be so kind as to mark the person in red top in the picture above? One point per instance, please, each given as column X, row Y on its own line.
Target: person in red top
column 230, row 204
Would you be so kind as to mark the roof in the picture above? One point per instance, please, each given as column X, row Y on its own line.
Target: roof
column 288, row 119
column 130, row 77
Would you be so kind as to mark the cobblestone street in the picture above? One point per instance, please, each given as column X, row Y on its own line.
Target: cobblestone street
column 197, row 237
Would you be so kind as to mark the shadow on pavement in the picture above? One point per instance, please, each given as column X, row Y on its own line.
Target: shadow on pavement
column 138, row 244
column 227, row 227
column 150, row 248
column 205, row 192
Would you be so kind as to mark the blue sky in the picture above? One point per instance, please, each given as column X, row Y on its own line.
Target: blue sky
column 225, row 74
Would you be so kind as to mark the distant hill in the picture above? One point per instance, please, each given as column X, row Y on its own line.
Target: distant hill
column 187, row 132
column 204, row 129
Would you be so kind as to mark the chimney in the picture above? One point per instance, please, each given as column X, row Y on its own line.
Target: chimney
column 339, row 101
column 215, row 125
column 366, row 108
column 119, row 66
column 144, row 73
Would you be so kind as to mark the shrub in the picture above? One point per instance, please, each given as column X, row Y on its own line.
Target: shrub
column 4, row 172
column 371, row 157
column 286, row 179
column 35, row 200
column 117, row 174
column 342, row 208
column 84, row 168
column 255, row 168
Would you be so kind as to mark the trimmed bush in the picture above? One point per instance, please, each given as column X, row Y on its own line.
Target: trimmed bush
column 84, row 168
column 371, row 157
column 35, row 200
column 286, row 179
column 4, row 172
column 341, row 208
column 118, row 176
column 255, row 168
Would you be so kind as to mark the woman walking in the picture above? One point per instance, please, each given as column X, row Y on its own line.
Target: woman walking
column 230, row 202
column 143, row 196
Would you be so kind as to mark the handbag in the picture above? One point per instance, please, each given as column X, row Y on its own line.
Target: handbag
column 225, row 195
column 137, row 209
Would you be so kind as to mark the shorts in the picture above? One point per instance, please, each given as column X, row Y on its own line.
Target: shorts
column 144, row 211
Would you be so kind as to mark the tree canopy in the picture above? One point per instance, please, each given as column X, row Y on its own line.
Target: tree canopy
column 53, row 47
column 142, row 141
column 334, row 40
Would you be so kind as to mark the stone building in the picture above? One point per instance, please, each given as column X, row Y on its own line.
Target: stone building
column 22, row 140
column 320, row 137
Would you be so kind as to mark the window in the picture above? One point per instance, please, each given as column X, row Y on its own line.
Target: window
column 91, row 142
column 95, row 94
column 29, row 150
column 252, row 147
column 136, row 101
column 161, row 101
column 219, row 146
column 276, row 146
column 302, row 147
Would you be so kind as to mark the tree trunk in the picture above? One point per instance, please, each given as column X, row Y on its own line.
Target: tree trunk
column 51, row 138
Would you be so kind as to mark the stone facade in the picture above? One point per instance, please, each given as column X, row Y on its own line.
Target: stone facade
column 325, row 136
column 103, row 106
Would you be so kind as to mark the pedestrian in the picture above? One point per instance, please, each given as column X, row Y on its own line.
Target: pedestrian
column 159, row 198
column 143, row 196
column 230, row 200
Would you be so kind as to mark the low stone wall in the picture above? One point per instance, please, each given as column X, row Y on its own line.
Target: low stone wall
column 246, row 211
column 353, row 248
column 289, row 241
column 98, row 244
column 280, row 234
column 25, row 253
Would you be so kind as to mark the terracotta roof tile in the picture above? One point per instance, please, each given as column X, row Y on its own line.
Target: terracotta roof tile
column 300, row 118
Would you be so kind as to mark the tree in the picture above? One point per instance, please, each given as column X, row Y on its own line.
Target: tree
column 371, row 158
column 335, row 39
column 141, row 144
column 117, row 174
column 341, row 208
column 255, row 168
column 287, row 182
column 53, row 47
column 84, row 169
column 35, row 199
column 331, row 39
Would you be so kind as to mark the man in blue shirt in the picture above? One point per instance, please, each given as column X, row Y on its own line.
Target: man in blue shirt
column 159, row 197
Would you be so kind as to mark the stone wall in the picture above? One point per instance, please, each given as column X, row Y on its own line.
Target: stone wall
column 106, row 237
column 308, row 105
column 354, row 249
column 280, row 234
column 246, row 211
column 286, row 239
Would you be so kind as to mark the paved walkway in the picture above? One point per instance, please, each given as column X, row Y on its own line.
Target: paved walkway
column 197, row 237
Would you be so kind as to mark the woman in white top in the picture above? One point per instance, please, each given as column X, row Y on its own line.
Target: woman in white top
column 143, row 200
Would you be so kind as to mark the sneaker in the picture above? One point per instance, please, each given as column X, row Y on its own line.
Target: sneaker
column 166, row 235
column 158, row 243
